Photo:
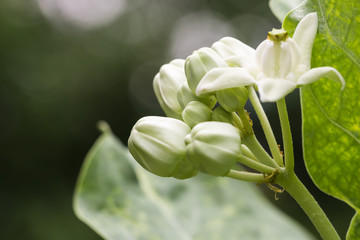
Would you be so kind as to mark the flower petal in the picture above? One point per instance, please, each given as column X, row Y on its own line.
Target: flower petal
column 273, row 89
column 222, row 78
column 304, row 36
column 295, row 54
column 316, row 73
column 264, row 56
column 199, row 63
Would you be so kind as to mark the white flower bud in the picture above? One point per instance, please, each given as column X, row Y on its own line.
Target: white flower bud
column 185, row 96
column 219, row 114
column 213, row 147
column 232, row 99
column 196, row 112
column 234, row 52
column 166, row 84
column 157, row 144
column 199, row 63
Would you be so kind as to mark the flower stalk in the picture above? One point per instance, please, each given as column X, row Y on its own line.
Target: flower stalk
column 259, row 152
column 246, row 176
column 255, row 165
column 286, row 134
column 245, row 121
column 303, row 197
column 266, row 126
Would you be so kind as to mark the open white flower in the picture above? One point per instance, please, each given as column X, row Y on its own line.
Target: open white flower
column 278, row 65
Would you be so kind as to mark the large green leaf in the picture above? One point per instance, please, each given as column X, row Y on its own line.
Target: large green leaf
column 120, row 200
column 282, row 7
column 354, row 230
column 331, row 117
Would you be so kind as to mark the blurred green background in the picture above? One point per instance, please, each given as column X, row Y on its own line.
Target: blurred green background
column 67, row 64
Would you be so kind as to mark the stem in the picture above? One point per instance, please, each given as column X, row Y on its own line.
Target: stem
column 237, row 121
column 303, row 197
column 246, row 151
column 255, row 165
column 255, row 147
column 265, row 125
column 245, row 120
column 246, row 176
column 286, row 134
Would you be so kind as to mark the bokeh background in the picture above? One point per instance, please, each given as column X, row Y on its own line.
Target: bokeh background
column 66, row 64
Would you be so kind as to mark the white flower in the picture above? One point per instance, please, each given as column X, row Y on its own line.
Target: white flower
column 278, row 65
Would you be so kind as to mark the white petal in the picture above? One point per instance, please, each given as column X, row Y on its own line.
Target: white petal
column 265, row 57
column 304, row 36
column 295, row 53
column 316, row 73
column 222, row 78
column 272, row 90
column 285, row 59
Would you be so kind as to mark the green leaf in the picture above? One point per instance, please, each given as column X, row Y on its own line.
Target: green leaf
column 331, row 117
column 282, row 7
column 120, row 200
column 354, row 230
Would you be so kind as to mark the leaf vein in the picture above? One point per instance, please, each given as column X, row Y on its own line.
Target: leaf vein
column 345, row 198
column 331, row 36
column 330, row 119
column 160, row 203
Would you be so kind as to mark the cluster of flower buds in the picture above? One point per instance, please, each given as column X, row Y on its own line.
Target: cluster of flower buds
column 201, row 95
column 198, row 134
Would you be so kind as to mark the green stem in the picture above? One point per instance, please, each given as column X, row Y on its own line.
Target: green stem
column 246, row 151
column 238, row 123
column 302, row 196
column 255, row 147
column 245, row 121
column 246, row 176
column 255, row 165
column 265, row 125
column 286, row 134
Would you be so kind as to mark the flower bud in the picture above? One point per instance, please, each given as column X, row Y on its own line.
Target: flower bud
column 219, row 114
column 213, row 147
column 157, row 144
column 196, row 112
column 234, row 52
column 199, row 63
column 166, row 84
column 232, row 99
column 185, row 96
